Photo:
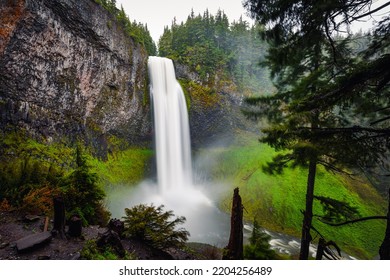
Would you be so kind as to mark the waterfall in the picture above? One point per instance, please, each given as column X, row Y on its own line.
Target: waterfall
column 171, row 126
column 175, row 188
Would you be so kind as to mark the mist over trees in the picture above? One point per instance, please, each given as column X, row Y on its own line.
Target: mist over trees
column 212, row 46
column 331, row 106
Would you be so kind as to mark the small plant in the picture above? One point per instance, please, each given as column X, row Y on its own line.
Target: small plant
column 83, row 193
column 5, row 206
column 91, row 251
column 258, row 247
column 39, row 200
column 154, row 226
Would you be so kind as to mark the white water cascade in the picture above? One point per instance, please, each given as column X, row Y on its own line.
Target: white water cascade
column 175, row 186
column 172, row 132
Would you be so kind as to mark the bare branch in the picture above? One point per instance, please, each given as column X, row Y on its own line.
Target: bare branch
column 380, row 120
column 371, row 12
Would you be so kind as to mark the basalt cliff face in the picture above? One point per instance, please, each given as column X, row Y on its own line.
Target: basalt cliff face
column 67, row 69
column 215, row 113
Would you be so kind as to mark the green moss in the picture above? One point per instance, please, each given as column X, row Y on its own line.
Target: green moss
column 91, row 251
column 184, row 87
column 276, row 201
column 146, row 91
column 28, row 165
column 203, row 95
column 126, row 166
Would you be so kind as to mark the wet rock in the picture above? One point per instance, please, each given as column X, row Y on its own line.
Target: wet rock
column 65, row 71
column 117, row 225
column 111, row 238
column 76, row 256
column 31, row 241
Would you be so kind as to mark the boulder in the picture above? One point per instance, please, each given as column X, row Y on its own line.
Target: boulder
column 32, row 241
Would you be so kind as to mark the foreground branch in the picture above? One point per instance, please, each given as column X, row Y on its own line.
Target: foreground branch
column 355, row 221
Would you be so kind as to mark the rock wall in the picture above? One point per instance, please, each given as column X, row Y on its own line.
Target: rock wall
column 215, row 117
column 68, row 70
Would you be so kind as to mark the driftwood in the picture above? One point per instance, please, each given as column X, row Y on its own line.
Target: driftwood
column 234, row 250
column 46, row 225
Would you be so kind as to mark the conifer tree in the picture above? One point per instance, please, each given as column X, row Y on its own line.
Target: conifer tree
column 316, row 76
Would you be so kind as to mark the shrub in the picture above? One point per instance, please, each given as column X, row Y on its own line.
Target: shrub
column 82, row 193
column 39, row 200
column 154, row 226
column 91, row 251
column 258, row 247
column 5, row 206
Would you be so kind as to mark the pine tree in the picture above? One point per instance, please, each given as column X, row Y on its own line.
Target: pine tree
column 309, row 65
column 259, row 247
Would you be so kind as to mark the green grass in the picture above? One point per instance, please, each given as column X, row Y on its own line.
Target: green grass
column 277, row 200
column 124, row 167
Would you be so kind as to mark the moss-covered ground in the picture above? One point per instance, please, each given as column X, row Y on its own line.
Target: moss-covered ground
column 276, row 201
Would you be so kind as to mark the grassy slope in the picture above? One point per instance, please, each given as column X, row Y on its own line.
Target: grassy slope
column 276, row 201
column 124, row 167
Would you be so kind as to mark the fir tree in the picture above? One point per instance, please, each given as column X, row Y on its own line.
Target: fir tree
column 317, row 75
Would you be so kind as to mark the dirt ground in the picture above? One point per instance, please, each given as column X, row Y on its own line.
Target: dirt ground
column 14, row 226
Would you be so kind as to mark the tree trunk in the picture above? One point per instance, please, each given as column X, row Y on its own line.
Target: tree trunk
column 384, row 250
column 320, row 249
column 308, row 214
column 59, row 217
column 75, row 226
column 234, row 250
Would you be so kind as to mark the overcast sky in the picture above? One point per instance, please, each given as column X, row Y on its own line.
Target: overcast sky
column 159, row 13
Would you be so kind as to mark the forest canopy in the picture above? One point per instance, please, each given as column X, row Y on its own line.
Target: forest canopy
column 136, row 30
column 212, row 46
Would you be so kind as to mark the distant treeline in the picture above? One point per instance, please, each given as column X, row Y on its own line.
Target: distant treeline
column 137, row 31
column 212, row 46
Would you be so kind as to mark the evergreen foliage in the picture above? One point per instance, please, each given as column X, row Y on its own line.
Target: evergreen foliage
column 259, row 247
column 91, row 251
column 30, row 172
column 211, row 45
column 278, row 199
column 336, row 211
column 83, row 195
column 137, row 31
column 154, row 226
column 329, row 97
